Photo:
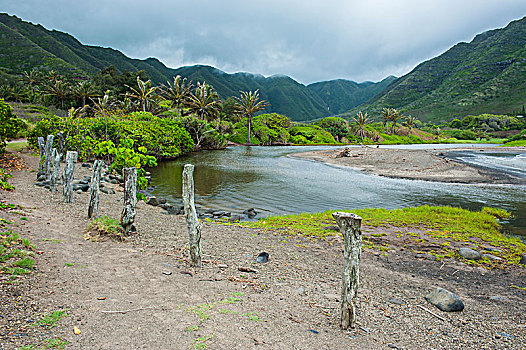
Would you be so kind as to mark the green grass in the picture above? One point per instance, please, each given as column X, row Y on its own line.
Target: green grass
column 17, row 146
column 51, row 320
column 518, row 143
column 14, row 254
column 439, row 224
column 106, row 226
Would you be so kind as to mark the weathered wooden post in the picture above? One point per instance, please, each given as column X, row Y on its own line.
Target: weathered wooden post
column 67, row 176
column 130, row 198
column 55, row 171
column 192, row 220
column 93, row 209
column 47, row 152
column 350, row 225
column 61, row 143
column 41, row 147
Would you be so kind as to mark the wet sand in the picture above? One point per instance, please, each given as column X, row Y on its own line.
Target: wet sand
column 429, row 165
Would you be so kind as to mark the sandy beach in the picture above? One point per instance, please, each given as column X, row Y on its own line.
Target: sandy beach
column 429, row 165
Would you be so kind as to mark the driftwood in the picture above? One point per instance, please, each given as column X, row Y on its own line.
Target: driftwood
column 41, row 147
column 350, row 225
column 67, row 176
column 47, row 154
column 130, row 199
column 61, row 143
column 93, row 208
column 192, row 220
column 55, row 170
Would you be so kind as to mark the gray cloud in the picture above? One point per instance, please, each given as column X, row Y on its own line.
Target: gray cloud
column 310, row 41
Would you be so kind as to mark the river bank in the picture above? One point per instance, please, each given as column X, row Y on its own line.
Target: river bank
column 141, row 293
column 428, row 165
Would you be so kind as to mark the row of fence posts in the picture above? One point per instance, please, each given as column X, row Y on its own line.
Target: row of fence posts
column 349, row 224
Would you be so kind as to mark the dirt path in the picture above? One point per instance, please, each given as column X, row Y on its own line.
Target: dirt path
column 141, row 294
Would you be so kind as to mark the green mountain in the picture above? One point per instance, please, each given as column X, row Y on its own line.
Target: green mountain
column 26, row 46
column 486, row 75
column 342, row 95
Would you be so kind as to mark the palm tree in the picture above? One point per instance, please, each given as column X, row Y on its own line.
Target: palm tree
column 178, row 92
column 59, row 90
column 144, row 93
column 387, row 115
column 32, row 78
column 361, row 120
column 437, row 133
column 102, row 106
column 395, row 116
column 204, row 102
column 18, row 92
column 248, row 104
column 84, row 90
column 410, row 123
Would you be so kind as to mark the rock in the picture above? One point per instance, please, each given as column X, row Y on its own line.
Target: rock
column 169, row 208
column 86, row 165
column 498, row 298
column 79, row 191
column 80, row 187
column 222, row 266
column 469, row 253
column 41, row 177
column 522, row 261
column 235, row 218
column 161, row 200
column 84, row 182
column 107, row 190
column 491, row 249
column 396, row 301
column 491, row 257
column 250, row 212
column 41, row 183
column 445, row 300
column 152, row 201
column 262, row 257
column 425, row 256
column 114, row 181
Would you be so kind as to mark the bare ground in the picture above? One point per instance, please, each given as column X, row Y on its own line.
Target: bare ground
column 141, row 293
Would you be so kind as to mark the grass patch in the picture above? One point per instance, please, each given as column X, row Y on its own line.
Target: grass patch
column 439, row 224
column 51, row 320
column 517, row 143
column 14, row 254
column 16, row 146
column 105, row 226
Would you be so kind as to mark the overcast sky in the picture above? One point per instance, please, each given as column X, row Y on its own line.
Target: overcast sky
column 308, row 40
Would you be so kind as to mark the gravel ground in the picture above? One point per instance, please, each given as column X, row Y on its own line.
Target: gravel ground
column 142, row 294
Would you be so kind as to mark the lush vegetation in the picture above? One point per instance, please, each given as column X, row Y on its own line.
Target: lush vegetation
column 485, row 75
column 444, row 228
column 10, row 125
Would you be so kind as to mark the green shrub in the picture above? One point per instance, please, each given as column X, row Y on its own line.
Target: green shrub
column 336, row 126
column 312, row 134
column 10, row 125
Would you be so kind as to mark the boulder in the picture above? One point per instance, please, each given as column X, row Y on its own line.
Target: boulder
column 469, row 253
column 170, row 209
column 235, row 218
column 250, row 212
column 161, row 200
column 86, row 165
column 107, row 190
column 152, row 201
column 445, row 300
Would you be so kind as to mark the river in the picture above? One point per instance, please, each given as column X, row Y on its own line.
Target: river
column 267, row 179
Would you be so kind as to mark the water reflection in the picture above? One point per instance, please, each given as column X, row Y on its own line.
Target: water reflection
column 265, row 178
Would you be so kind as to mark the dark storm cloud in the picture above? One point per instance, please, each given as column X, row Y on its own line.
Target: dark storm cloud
column 310, row 41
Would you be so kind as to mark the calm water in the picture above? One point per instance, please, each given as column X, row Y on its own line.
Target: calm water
column 267, row 179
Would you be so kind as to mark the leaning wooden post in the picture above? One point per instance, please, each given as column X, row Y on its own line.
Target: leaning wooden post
column 47, row 152
column 192, row 220
column 56, row 157
column 67, row 176
column 350, row 225
column 41, row 147
column 93, row 208
column 130, row 198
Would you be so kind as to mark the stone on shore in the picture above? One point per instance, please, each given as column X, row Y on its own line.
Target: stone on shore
column 153, row 201
column 469, row 253
column 445, row 300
